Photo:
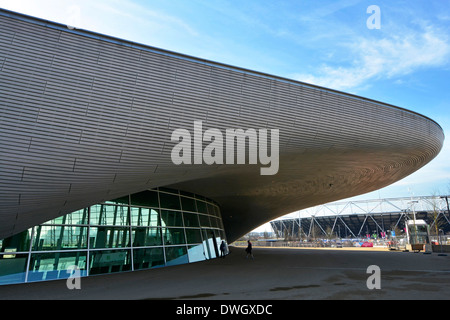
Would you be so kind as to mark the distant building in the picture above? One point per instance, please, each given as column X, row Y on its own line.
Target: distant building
column 376, row 218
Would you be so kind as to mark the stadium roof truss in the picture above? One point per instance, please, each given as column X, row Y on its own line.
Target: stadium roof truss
column 358, row 218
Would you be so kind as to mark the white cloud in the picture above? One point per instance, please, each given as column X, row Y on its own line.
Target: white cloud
column 391, row 56
column 120, row 18
column 139, row 15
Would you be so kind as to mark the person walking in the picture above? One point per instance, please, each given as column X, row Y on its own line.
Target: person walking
column 249, row 250
column 223, row 249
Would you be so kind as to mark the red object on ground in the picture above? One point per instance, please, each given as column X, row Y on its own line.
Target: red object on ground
column 367, row 244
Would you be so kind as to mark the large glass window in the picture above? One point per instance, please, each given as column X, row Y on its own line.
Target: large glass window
column 211, row 209
column 145, row 230
column 55, row 265
column 204, row 220
column 12, row 268
column 148, row 258
column 17, row 243
column 59, row 238
column 210, row 244
column 122, row 200
column 169, row 201
column 193, row 236
column 176, row 255
column 144, row 217
column 173, row 236
column 171, row 218
column 188, row 204
column 214, row 222
column 201, row 207
column 196, row 253
column 111, row 215
column 191, row 219
column 146, row 199
column 76, row 217
column 109, row 261
column 146, row 237
column 109, row 237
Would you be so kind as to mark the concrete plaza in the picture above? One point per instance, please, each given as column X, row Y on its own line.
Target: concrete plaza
column 275, row 273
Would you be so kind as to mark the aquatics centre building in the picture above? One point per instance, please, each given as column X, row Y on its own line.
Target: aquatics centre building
column 117, row 156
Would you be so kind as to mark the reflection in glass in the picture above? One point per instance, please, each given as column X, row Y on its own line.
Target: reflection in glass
column 54, row 265
column 204, row 220
column 196, row 253
column 12, row 268
column 171, row 218
column 143, row 237
column 188, row 204
column 16, row 243
column 144, row 217
column 109, row 261
column 211, row 209
column 173, row 236
column 210, row 244
column 59, row 238
column 193, row 236
column 109, row 215
column 190, row 219
column 123, row 200
column 76, row 217
column 176, row 255
column 169, row 201
column 99, row 239
column 201, row 207
column 146, row 199
column 109, row 237
column 148, row 258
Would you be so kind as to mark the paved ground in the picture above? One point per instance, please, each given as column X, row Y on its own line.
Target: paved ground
column 274, row 274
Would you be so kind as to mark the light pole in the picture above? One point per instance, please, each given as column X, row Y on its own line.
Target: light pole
column 440, row 242
column 414, row 217
column 448, row 208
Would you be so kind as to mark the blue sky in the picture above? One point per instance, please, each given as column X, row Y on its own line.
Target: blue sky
column 406, row 62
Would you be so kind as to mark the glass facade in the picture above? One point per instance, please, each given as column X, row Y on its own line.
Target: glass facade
column 151, row 229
